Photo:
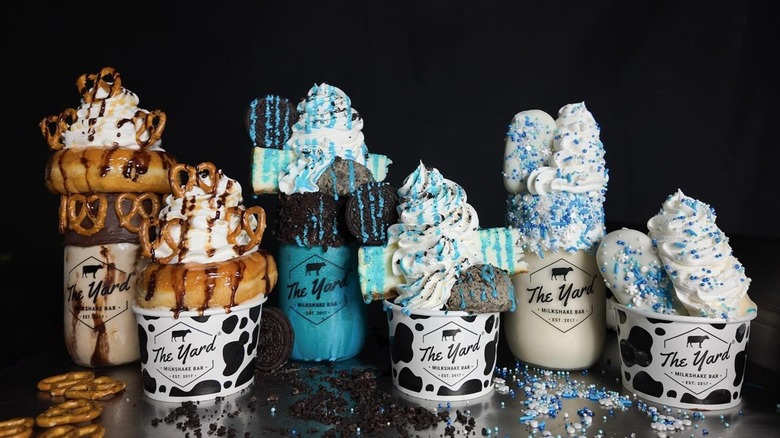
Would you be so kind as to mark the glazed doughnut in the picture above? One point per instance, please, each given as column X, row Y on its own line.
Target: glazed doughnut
column 108, row 170
column 199, row 286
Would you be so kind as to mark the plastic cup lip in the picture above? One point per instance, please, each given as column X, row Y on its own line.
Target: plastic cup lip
column 424, row 312
column 167, row 313
column 680, row 318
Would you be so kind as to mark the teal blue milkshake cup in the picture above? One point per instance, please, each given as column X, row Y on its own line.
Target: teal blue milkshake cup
column 313, row 157
column 320, row 294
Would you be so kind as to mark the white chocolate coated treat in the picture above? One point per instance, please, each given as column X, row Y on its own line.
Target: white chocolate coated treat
column 634, row 273
column 707, row 277
column 556, row 183
column 528, row 147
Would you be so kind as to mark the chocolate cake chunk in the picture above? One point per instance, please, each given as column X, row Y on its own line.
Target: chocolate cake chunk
column 370, row 211
column 343, row 177
column 275, row 343
column 311, row 219
column 482, row 289
column 269, row 120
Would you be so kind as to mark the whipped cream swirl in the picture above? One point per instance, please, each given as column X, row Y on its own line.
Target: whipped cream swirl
column 203, row 223
column 328, row 127
column 436, row 236
column 708, row 279
column 110, row 121
column 577, row 166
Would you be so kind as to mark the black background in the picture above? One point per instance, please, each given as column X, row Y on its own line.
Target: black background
column 683, row 92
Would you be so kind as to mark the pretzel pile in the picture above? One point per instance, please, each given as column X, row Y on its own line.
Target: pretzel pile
column 86, row 214
column 83, row 392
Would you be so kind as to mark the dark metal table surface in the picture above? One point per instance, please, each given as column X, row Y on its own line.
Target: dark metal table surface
column 255, row 413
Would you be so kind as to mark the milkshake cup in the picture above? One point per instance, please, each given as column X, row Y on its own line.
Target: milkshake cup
column 100, row 285
column 109, row 171
column 683, row 361
column 442, row 355
column 681, row 307
column 200, row 296
column 320, row 294
column 555, row 172
column 313, row 157
column 198, row 355
column 444, row 283
column 560, row 320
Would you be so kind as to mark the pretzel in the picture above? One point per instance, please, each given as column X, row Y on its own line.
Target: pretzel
column 20, row 427
column 205, row 175
column 153, row 124
column 253, row 228
column 163, row 235
column 80, row 207
column 53, row 128
column 71, row 431
column 56, row 385
column 136, row 209
column 97, row 388
column 107, row 80
column 69, row 412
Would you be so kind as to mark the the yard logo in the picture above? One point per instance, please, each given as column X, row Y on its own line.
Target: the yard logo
column 316, row 288
column 694, row 359
column 554, row 294
column 179, row 351
column 97, row 292
column 443, row 349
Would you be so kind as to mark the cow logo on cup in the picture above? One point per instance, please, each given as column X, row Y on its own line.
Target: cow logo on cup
column 314, row 289
column 442, row 351
column 176, row 355
column 90, row 284
column 554, row 294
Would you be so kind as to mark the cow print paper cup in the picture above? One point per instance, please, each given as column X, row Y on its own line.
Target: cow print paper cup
column 196, row 355
column 442, row 356
column 682, row 361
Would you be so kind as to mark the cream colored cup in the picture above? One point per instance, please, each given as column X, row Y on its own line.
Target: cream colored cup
column 560, row 320
column 99, row 286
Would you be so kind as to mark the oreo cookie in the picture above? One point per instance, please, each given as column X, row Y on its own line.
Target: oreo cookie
column 370, row 211
column 269, row 121
column 343, row 176
column 275, row 341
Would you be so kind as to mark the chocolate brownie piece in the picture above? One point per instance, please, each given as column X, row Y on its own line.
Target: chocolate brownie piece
column 482, row 289
column 311, row 219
